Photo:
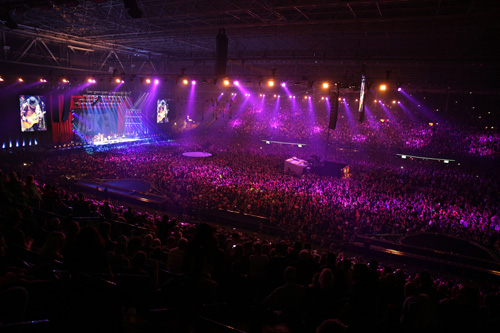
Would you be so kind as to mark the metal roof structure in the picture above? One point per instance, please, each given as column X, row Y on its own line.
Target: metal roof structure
column 425, row 43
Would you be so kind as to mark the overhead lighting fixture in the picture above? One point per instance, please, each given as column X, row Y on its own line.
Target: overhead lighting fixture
column 325, row 85
column 383, row 87
column 185, row 82
column 270, row 83
column 226, row 82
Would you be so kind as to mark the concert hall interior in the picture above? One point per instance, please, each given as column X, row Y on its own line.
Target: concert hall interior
column 249, row 166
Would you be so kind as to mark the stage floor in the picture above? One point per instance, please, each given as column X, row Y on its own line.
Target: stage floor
column 115, row 140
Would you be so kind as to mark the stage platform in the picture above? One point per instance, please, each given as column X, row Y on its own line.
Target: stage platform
column 124, row 188
column 117, row 140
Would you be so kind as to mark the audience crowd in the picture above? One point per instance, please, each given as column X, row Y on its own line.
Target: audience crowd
column 160, row 265
column 402, row 126
column 85, row 262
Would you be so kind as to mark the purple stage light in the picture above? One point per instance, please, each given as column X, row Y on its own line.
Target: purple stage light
column 157, row 81
column 236, row 83
column 399, row 89
column 193, row 82
column 283, row 84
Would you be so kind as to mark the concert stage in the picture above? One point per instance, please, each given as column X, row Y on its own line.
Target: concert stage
column 132, row 189
column 116, row 142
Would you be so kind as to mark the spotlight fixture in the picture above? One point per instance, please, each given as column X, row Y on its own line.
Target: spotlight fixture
column 20, row 79
column 148, row 80
column 325, row 85
column 383, row 87
column 236, row 83
column 399, row 89
column 193, row 82
column 226, row 82
column 1, row 79
column 185, row 82
column 117, row 80
column 64, row 80
column 157, row 81
column 270, row 83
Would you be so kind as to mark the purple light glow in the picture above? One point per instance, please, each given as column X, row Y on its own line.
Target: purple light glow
column 275, row 124
column 283, row 84
column 193, row 82
column 399, row 89
column 235, row 123
column 157, row 81
column 236, row 83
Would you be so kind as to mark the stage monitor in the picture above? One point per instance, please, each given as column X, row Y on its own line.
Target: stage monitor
column 32, row 113
column 162, row 111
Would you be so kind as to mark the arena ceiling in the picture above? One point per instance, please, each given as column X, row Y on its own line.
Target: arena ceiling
column 425, row 43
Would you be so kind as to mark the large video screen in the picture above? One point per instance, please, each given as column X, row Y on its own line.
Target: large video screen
column 162, row 111
column 32, row 113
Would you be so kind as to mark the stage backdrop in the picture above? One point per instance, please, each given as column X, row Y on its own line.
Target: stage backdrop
column 62, row 131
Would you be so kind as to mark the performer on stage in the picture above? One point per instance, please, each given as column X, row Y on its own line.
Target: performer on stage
column 162, row 112
column 32, row 115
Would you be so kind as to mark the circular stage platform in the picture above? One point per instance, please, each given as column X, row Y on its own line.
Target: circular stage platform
column 197, row 154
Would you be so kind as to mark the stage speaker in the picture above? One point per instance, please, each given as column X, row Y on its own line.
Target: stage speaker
column 362, row 116
column 221, row 53
column 334, row 112
column 66, row 108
